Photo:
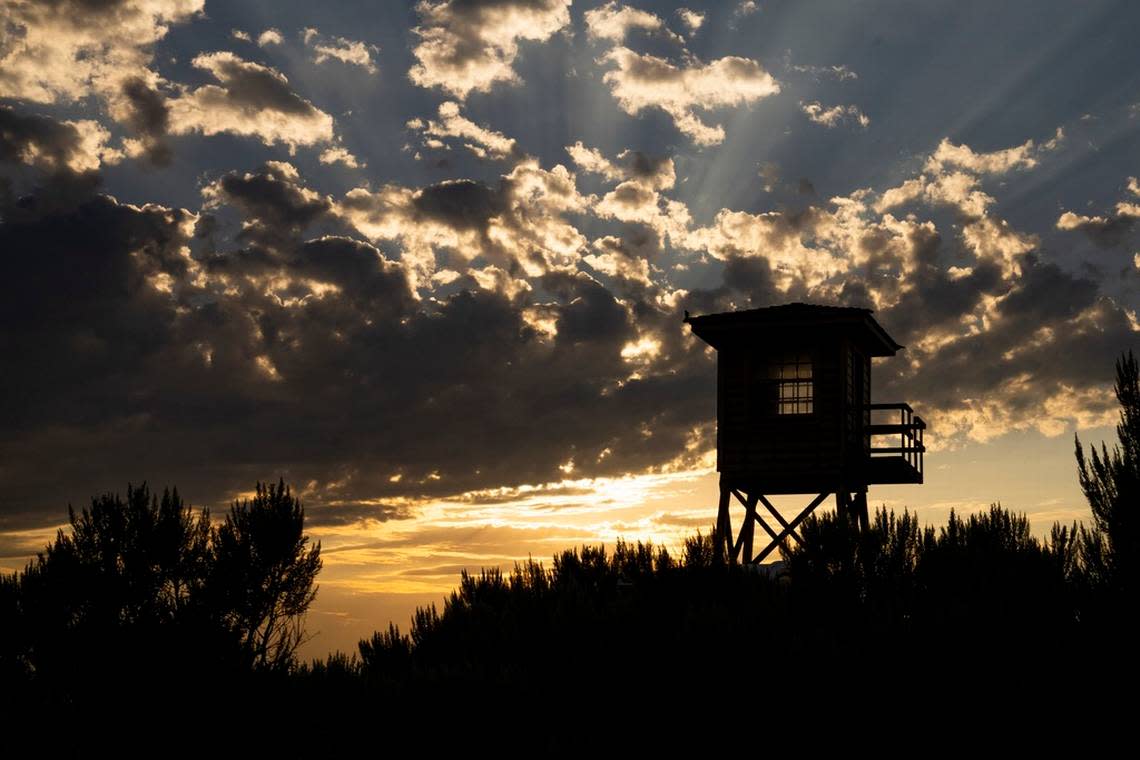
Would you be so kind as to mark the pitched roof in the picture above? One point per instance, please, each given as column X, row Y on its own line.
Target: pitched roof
column 715, row 329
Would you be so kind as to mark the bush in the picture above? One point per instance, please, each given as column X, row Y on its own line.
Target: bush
column 144, row 595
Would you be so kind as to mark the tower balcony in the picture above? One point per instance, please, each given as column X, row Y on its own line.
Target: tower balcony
column 898, row 458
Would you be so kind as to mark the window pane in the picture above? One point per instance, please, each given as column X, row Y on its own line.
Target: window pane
column 792, row 375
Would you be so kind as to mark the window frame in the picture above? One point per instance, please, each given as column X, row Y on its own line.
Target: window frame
column 791, row 377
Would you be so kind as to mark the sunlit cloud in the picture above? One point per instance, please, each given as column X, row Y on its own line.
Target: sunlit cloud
column 1024, row 156
column 350, row 52
column 338, row 154
column 466, row 47
column 1110, row 229
column 613, row 22
column 250, row 100
column 838, row 72
column 483, row 142
column 641, row 81
column 693, row 20
column 835, row 115
column 64, row 51
column 270, row 37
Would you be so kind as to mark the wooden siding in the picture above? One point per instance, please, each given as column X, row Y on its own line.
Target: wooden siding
column 753, row 441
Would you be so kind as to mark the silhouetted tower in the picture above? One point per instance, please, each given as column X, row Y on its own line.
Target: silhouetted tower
column 794, row 415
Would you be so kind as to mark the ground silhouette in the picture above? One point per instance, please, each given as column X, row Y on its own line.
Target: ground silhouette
column 143, row 608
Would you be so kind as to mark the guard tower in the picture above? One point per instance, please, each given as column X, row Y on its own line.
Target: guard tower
column 794, row 416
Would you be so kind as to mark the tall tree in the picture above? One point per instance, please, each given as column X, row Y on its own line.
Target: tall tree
column 1111, row 483
column 112, row 596
column 263, row 572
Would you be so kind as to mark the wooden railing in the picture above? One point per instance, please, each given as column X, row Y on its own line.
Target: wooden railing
column 908, row 428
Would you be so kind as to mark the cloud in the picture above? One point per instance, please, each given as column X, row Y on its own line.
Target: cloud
column 483, row 142
column 518, row 225
column 465, row 47
column 953, row 174
column 746, row 8
column 276, row 205
column 636, row 198
column 1108, row 230
column 350, row 52
column 250, row 100
column 839, row 73
column 289, row 353
column 613, row 23
column 332, row 513
column 51, row 145
column 1024, row 156
column 835, row 115
column 655, row 172
column 338, row 154
column 645, row 81
column 144, row 110
column 615, row 258
column 691, row 19
column 270, row 37
column 348, row 342
column 69, row 49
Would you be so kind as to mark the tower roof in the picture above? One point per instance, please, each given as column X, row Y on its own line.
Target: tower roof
column 733, row 326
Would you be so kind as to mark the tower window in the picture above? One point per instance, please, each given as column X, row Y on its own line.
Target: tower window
column 791, row 375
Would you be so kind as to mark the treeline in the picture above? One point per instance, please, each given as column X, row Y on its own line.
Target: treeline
column 844, row 605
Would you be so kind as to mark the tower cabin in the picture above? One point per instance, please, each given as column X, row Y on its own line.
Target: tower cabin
column 794, row 414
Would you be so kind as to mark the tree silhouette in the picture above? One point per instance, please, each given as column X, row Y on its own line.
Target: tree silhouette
column 146, row 597
column 110, row 598
column 263, row 572
column 1111, row 483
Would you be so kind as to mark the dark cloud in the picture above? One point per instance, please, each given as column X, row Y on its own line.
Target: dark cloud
column 47, row 144
column 1105, row 231
column 463, row 203
column 274, row 202
column 343, row 515
column 149, row 117
column 309, row 359
column 257, row 88
column 640, row 165
column 1051, row 334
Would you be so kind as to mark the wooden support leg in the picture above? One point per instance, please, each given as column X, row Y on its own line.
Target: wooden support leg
column 747, row 529
column 724, row 523
column 861, row 509
column 842, row 500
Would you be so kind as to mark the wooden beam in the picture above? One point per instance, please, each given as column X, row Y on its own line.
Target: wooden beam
column 791, row 526
column 748, row 528
column 780, row 519
column 861, row 510
column 724, row 523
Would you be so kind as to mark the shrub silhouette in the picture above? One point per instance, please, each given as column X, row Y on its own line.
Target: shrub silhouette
column 141, row 597
column 1111, row 483
column 262, row 575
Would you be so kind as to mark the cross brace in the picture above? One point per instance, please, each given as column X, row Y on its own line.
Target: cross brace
column 854, row 509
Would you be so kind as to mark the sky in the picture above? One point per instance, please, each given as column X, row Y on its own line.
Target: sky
column 428, row 262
